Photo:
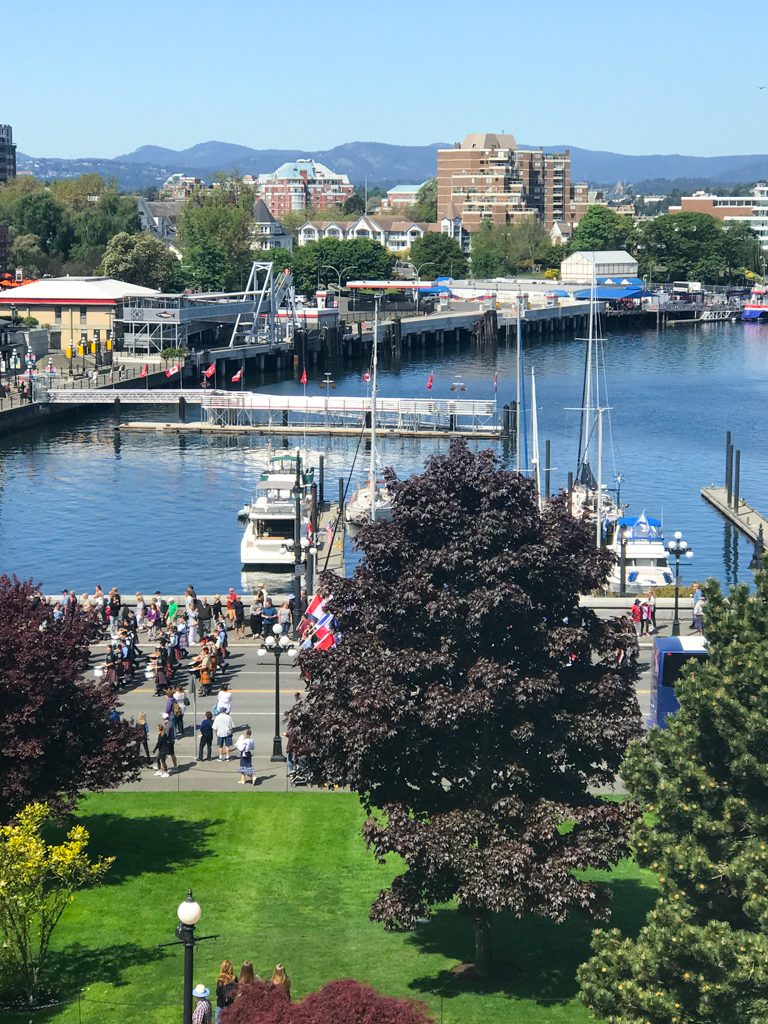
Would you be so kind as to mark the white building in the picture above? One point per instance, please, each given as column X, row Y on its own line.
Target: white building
column 393, row 233
column 580, row 267
column 268, row 232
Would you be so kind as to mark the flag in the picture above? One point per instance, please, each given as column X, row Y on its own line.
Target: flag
column 329, row 530
column 430, row 381
column 238, row 376
column 326, row 642
column 144, row 370
column 310, row 531
column 315, row 608
column 496, row 382
column 642, row 527
column 174, row 369
column 210, row 371
column 303, row 377
column 367, row 377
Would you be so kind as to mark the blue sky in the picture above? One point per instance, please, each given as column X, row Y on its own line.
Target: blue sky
column 83, row 78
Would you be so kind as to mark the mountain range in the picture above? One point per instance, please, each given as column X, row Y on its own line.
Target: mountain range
column 385, row 165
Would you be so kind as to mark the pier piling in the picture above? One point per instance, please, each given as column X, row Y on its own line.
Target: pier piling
column 736, row 479
column 182, row 410
column 728, row 466
column 506, row 420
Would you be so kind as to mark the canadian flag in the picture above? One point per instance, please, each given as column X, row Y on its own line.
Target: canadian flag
column 144, row 370
column 326, row 641
column 174, row 369
column 315, row 607
column 210, row 371
column 367, row 377
column 430, row 381
column 303, row 377
column 237, row 376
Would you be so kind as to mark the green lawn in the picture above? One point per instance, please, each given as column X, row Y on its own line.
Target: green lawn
column 285, row 876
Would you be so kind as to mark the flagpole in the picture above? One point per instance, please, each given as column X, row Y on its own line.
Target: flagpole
column 242, row 374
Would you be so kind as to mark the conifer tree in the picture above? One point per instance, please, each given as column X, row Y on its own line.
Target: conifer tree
column 702, row 956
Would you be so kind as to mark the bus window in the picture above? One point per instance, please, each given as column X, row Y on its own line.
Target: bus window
column 670, row 655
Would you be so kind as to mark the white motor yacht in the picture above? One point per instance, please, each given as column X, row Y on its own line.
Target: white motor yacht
column 646, row 562
column 270, row 519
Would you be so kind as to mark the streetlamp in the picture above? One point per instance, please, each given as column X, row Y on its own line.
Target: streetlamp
column 678, row 548
column 277, row 644
column 624, row 536
column 429, row 263
column 310, row 552
column 339, row 273
column 188, row 914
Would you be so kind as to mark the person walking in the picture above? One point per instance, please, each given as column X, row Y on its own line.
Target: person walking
column 141, row 611
column 170, row 736
column 281, row 980
column 142, row 729
column 161, row 749
column 223, row 726
column 226, row 987
column 245, row 746
column 202, row 1012
column 636, row 615
column 695, row 598
column 284, row 616
column 206, row 736
column 180, row 702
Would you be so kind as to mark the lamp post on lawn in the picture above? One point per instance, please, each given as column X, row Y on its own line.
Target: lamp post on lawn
column 277, row 644
column 624, row 537
column 418, row 281
column 678, row 548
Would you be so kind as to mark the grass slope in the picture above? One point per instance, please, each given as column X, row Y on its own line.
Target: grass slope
column 286, row 877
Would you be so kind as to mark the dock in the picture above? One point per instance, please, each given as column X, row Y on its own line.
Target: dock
column 741, row 515
column 286, row 430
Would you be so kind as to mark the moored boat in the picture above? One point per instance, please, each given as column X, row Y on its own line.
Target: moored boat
column 756, row 310
column 270, row 519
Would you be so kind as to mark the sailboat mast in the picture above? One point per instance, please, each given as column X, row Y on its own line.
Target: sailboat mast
column 372, row 474
column 535, row 432
column 519, row 391
column 599, row 503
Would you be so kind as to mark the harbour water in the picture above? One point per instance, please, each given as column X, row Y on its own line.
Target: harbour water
column 80, row 505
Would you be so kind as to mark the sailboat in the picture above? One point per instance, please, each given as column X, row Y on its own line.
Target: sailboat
column 372, row 500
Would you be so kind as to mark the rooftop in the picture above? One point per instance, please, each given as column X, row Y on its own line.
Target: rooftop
column 74, row 289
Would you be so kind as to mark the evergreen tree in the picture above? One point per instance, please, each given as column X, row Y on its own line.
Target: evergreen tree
column 471, row 702
column 702, row 956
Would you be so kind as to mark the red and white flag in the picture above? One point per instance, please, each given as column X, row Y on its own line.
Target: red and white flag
column 367, row 377
column 329, row 531
column 326, row 641
column 174, row 369
column 430, row 381
column 144, row 370
column 237, row 376
column 210, row 371
column 315, row 608
column 303, row 377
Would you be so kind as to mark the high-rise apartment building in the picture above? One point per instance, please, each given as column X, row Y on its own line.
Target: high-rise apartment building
column 302, row 184
column 7, row 153
column 488, row 176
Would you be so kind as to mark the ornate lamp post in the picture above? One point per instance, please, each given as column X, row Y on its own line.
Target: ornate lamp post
column 188, row 914
column 277, row 644
column 624, row 537
column 678, row 548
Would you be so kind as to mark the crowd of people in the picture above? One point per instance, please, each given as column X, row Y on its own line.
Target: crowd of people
column 643, row 612
column 230, row 987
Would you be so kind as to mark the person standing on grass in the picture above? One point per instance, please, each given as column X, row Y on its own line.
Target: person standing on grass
column 161, row 749
column 223, row 726
column 202, row 1012
column 281, row 980
column 245, row 746
column 206, row 736
column 226, row 987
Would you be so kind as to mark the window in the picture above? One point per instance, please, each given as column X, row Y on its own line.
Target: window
column 83, row 316
column 57, row 315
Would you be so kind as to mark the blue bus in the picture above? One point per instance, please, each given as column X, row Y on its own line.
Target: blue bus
column 670, row 655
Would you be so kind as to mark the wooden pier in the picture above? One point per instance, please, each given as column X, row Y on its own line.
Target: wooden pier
column 288, row 430
column 745, row 518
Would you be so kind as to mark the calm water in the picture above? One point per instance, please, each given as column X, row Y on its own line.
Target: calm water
column 151, row 511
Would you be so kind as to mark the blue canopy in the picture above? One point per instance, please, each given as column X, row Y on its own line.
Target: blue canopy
column 559, row 292
column 632, row 521
column 606, row 293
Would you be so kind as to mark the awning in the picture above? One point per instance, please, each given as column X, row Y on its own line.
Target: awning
column 608, row 294
column 559, row 293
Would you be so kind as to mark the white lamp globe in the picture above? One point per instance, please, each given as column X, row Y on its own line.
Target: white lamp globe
column 689, row 554
column 189, row 911
column 683, row 544
column 270, row 641
column 277, row 629
column 678, row 535
column 261, row 653
column 292, row 652
column 304, row 543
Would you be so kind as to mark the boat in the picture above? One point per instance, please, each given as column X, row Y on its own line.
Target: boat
column 270, row 519
column 645, row 558
column 756, row 309
column 371, row 500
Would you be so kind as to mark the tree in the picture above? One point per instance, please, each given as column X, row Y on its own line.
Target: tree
column 495, row 251
column 442, row 253
column 37, row 884
column 602, row 228
column 338, row 1002
column 25, row 251
column 471, row 702
column 702, row 955
column 318, row 263
column 39, row 214
column 741, row 248
column 425, row 208
column 355, row 203
column 215, row 231
column 676, row 246
column 59, row 737
column 140, row 259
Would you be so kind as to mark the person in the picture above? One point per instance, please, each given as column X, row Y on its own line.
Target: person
column 206, row 736
column 247, row 977
column 114, row 604
column 695, row 598
column 99, row 602
column 245, row 746
column 203, row 665
column 268, row 615
column 141, row 611
column 202, row 1013
column 173, row 608
column 161, row 748
column 645, row 621
column 231, row 598
column 239, row 611
column 281, row 980
column 142, row 729
column 698, row 613
column 204, row 616
column 255, row 620
column 223, row 726
column 153, row 620
column 636, row 615
column 224, row 698
column 216, row 609
column 284, row 617
column 162, row 604
column 226, row 987
column 170, row 737
column 651, row 602
column 192, row 624
column 180, row 702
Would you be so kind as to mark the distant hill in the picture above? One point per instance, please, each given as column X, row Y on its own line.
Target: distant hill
column 384, row 164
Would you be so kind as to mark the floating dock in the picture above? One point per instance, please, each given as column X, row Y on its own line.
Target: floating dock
column 739, row 513
column 490, row 434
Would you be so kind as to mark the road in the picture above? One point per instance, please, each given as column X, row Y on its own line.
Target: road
column 252, row 682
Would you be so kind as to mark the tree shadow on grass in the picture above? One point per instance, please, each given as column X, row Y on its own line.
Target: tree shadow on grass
column 159, row 845
column 537, row 959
